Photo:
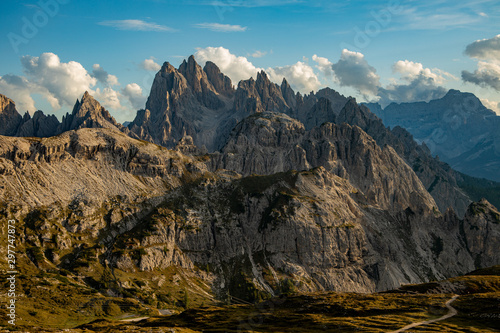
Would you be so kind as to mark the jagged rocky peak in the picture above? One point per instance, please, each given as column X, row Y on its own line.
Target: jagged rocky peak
column 10, row 119
column 88, row 113
column 167, row 84
column 288, row 94
column 195, row 75
column 338, row 100
column 221, row 82
column 352, row 114
column 185, row 100
column 259, row 95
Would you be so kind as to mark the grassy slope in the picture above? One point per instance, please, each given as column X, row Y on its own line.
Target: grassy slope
column 478, row 311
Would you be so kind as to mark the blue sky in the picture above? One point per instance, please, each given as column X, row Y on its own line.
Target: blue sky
column 54, row 50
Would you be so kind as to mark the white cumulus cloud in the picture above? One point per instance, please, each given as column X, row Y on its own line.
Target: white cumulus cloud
column 150, row 65
column 237, row 68
column 133, row 92
column 108, row 98
column 352, row 70
column 485, row 49
column 64, row 82
column 487, row 74
column 324, row 65
column 412, row 70
column 300, row 76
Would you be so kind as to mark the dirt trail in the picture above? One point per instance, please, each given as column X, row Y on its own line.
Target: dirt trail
column 452, row 311
column 134, row 319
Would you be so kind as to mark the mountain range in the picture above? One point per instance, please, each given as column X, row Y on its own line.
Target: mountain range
column 457, row 127
column 214, row 192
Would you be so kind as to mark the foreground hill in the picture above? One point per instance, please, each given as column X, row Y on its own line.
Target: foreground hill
column 476, row 311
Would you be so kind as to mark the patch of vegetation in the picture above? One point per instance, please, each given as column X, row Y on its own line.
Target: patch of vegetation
column 346, row 226
column 493, row 270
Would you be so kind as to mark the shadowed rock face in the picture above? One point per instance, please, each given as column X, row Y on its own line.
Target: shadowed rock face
column 39, row 125
column 9, row 117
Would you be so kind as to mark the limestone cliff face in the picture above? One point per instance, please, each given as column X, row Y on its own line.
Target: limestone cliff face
column 221, row 83
column 481, row 231
column 311, row 227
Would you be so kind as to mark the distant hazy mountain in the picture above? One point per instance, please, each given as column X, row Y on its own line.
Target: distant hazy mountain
column 457, row 128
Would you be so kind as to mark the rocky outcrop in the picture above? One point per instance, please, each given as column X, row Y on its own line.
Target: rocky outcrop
column 221, row 83
column 259, row 95
column 10, row 119
column 201, row 87
column 89, row 163
column 482, row 234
